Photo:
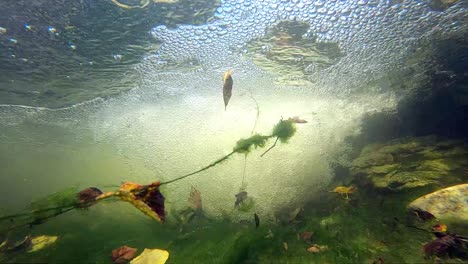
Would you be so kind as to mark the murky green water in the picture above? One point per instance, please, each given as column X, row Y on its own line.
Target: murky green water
column 97, row 94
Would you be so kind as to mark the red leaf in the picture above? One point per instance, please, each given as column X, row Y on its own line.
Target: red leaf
column 152, row 197
column 123, row 254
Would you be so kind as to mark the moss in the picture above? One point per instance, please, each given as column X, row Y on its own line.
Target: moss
column 244, row 145
column 284, row 130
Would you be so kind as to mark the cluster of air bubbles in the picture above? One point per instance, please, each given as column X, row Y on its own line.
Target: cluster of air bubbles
column 364, row 29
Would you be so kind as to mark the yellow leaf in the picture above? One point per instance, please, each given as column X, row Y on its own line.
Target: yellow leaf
column 151, row 256
column 40, row 242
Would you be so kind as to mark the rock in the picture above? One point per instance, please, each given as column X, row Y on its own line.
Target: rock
column 410, row 163
column 404, row 179
column 449, row 204
column 384, row 169
column 373, row 159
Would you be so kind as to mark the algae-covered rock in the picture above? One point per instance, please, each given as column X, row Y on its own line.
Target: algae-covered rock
column 449, row 204
column 410, row 162
column 403, row 180
column 373, row 159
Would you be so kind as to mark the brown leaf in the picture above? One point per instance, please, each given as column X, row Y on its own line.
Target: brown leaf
column 227, row 87
column 195, row 199
column 88, row 195
column 153, row 198
column 240, row 197
column 306, row 236
column 297, row 120
column 317, row 248
column 123, row 254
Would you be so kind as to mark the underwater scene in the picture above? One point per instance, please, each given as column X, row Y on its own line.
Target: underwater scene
column 233, row 131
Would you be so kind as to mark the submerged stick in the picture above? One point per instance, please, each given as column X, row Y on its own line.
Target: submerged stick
column 276, row 141
column 202, row 169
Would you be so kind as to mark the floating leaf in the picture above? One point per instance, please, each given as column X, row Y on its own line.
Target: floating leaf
column 123, row 254
column 227, row 87
column 151, row 256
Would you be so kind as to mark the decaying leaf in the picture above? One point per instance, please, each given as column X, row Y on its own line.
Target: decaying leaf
column 297, row 120
column 195, row 199
column 378, row 261
column 151, row 256
column 123, row 254
column 240, row 197
column 146, row 198
column 440, row 247
column 423, row 215
column 257, row 220
column 344, row 191
column 317, row 248
column 88, row 196
column 227, row 87
column 439, row 228
column 293, row 215
column 40, row 242
column 306, row 236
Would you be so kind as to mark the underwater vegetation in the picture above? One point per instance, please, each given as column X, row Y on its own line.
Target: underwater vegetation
column 146, row 198
column 358, row 223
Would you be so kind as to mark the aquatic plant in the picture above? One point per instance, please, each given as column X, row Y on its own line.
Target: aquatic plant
column 245, row 145
column 147, row 198
column 284, row 130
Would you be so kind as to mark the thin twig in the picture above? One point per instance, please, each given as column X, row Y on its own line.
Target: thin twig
column 202, row 169
column 270, row 147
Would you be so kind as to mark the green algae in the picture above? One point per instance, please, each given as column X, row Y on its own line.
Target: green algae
column 245, row 145
column 284, row 130
column 361, row 230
